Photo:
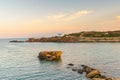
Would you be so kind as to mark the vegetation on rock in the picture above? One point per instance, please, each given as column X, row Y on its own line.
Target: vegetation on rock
column 95, row 34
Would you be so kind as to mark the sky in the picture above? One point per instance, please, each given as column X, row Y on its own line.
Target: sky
column 38, row 18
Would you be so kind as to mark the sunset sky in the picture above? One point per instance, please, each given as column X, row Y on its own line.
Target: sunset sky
column 37, row 18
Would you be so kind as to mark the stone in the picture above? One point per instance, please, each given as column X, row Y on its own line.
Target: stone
column 71, row 64
column 74, row 69
column 93, row 73
column 50, row 55
column 80, row 71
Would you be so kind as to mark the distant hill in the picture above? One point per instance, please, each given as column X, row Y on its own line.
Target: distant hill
column 95, row 34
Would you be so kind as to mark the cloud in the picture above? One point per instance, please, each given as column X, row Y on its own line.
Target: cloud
column 58, row 16
column 118, row 17
column 68, row 16
column 36, row 22
column 83, row 12
column 76, row 15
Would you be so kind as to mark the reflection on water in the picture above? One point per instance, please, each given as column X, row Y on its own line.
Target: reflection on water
column 20, row 61
column 54, row 62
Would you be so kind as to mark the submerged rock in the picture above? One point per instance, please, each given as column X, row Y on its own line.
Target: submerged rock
column 80, row 71
column 71, row 64
column 74, row 69
column 50, row 55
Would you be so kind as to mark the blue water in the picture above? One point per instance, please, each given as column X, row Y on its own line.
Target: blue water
column 19, row 61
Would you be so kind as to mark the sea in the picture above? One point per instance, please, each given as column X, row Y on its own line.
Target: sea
column 19, row 61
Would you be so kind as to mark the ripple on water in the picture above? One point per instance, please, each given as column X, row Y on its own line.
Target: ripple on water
column 20, row 61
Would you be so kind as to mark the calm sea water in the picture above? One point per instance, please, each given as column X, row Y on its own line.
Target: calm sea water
column 18, row 61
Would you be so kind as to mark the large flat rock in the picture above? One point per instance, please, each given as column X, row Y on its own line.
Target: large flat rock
column 50, row 55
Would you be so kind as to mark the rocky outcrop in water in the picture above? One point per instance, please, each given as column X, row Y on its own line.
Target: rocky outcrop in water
column 50, row 55
column 16, row 41
column 91, row 73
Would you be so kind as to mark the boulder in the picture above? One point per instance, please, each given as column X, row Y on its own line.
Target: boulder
column 93, row 73
column 50, row 55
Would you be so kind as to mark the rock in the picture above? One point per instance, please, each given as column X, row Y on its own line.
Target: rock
column 74, row 69
column 15, row 41
column 103, row 76
column 88, row 69
column 68, row 67
column 98, row 79
column 109, row 79
column 80, row 71
column 50, row 55
column 93, row 73
column 113, row 79
column 31, row 40
column 97, row 76
column 71, row 64
column 83, row 66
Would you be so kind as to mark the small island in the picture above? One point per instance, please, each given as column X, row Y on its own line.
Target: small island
column 85, row 36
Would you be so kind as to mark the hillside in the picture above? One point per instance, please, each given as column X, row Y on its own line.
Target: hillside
column 95, row 34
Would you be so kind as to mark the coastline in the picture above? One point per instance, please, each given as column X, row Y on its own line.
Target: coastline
column 89, row 36
column 73, row 40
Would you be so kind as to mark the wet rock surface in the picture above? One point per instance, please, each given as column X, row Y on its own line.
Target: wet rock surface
column 90, row 73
